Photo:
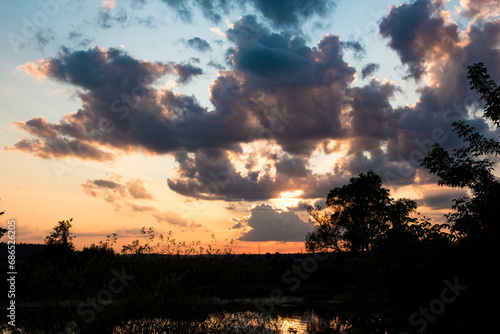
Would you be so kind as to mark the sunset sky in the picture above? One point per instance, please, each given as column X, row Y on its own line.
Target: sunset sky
column 226, row 117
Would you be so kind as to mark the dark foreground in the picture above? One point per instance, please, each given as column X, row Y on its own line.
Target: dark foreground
column 409, row 287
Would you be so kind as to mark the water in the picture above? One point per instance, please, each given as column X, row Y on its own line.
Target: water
column 297, row 322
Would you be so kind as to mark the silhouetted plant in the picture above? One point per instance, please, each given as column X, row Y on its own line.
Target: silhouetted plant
column 357, row 214
column 61, row 237
column 471, row 167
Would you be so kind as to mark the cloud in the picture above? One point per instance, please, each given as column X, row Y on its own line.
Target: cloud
column 117, row 193
column 439, row 198
column 433, row 48
column 186, row 72
column 172, row 218
column 369, row 69
column 356, row 47
column 58, row 147
column 44, row 37
column 182, row 9
column 108, row 4
column 287, row 14
column 238, row 224
column 199, row 44
column 293, row 166
column 215, row 65
column 276, row 105
column 417, row 31
column 120, row 108
column 481, row 9
column 137, row 190
column 107, row 19
column 110, row 190
column 124, row 195
column 290, row 13
column 268, row 224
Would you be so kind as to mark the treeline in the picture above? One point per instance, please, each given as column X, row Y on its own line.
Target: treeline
column 96, row 289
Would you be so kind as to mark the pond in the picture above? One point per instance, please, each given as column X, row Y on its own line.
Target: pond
column 247, row 322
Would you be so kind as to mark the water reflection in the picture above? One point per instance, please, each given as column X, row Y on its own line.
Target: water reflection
column 307, row 322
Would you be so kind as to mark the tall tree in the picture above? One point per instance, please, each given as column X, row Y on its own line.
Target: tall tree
column 61, row 236
column 356, row 214
column 471, row 166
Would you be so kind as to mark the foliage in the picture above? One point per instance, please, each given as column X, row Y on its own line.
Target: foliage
column 2, row 230
column 471, row 166
column 61, row 237
column 356, row 215
column 167, row 245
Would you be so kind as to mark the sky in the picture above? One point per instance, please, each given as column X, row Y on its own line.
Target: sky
column 223, row 119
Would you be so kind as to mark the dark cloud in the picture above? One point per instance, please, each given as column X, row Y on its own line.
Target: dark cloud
column 44, row 37
column 57, row 147
column 293, row 166
column 120, row 108
column 483, row 46
column 238, row 224
column 211, row 175
column 432, row 46
column 109, row 18
column 199, row 44
column 282, row 78
column 269, row 224
column 441, row 198
column 287, row 14
column 182, row 9
column 186, row 72
column 106, row 184
column 218, row 66
column 290, row 13
column 356, row 47
column 369, row 69
column 416, row 30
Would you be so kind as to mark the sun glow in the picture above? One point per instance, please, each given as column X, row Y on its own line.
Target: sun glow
column 287, row 199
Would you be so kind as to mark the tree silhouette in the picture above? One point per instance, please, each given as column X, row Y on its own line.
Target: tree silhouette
column 471, row 167
column 2, row 230
column 356, row 214
column 61, row 237
column 476, row 221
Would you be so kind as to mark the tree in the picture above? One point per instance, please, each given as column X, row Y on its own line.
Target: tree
column 61, row 237
column 476, row 221
column 471, row 167
column 2, row 230
column 356, row 214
